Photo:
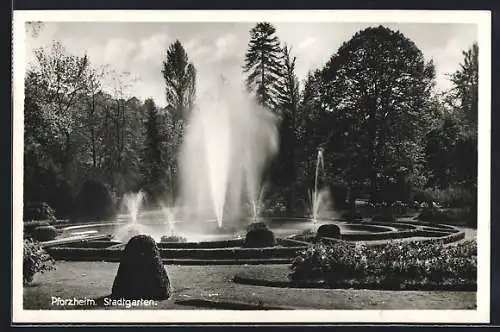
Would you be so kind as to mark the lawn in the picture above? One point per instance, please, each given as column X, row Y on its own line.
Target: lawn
column 197, row 287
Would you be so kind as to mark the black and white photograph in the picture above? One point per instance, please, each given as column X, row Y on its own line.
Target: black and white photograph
column 251, row 166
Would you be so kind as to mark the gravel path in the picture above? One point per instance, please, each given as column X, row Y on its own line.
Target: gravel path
column 214, row 283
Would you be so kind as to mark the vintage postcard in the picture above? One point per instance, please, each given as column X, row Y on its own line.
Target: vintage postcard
column 251, row 166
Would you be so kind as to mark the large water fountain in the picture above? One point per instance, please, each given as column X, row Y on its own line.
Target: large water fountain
column 228, row 142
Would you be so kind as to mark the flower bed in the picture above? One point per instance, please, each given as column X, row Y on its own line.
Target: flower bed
column 391, row 265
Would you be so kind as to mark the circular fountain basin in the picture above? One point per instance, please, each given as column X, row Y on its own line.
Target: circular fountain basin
column 208, row 230
column 207, row 244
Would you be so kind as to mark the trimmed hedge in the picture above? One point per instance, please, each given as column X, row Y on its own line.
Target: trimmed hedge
column 141, row 274
column 256, row 225
column 38, row 211
column 202, row 245
column 329, row 230
column 44, row 233
column 260, row 238
column 113, row 255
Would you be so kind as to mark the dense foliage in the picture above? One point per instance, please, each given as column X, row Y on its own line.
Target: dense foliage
column 44, row 233
column 95, row 201
column 38, row 211
column 394, row 264
column 35, row 260
column 180, row 82
column 328, row 230
column 262, row 63
column 259, row 238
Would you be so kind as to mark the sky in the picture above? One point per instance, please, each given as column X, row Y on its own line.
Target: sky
column 217, row 48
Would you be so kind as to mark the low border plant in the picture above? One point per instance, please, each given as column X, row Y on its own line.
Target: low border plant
column 395, row 264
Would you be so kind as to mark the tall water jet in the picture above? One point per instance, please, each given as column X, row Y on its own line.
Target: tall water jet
column 133, row 203
column 316, row 195
column 169, row 213
column 228, row 141
column 320, row 198
column 257, row 204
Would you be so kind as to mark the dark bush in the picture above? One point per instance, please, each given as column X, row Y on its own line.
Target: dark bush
column 328, row 230
column 94, row 201
column 339, row 195
column 434, row 215
column 260, row 238
column 29, row 226
column 256, row 225
column 352, row 216
column 384, row 218
column 44, row 233
column 173, row 238
column 454, row 197
column 62, row 199
column 38, row 211
column 141, row 274
column 423, row 195
column 35, row 260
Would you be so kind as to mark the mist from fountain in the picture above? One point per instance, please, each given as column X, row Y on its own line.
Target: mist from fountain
column 133, row 203
column 258, row 204
column 169, row 213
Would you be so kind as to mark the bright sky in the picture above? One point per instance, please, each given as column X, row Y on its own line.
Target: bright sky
column 219, row 48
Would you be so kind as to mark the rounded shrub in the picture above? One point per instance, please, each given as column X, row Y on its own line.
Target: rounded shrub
column 141, row 274
column 328, row 230
column 44, row 233
column 94, row 201
column 384, row 218
column 38, row 211
column 260, row 238
column 35, row 260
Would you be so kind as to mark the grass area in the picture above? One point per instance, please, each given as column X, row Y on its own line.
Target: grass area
column 205, row 287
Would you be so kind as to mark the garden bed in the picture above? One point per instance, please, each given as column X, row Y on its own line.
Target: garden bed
column 393, row 265
column 279, row 276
